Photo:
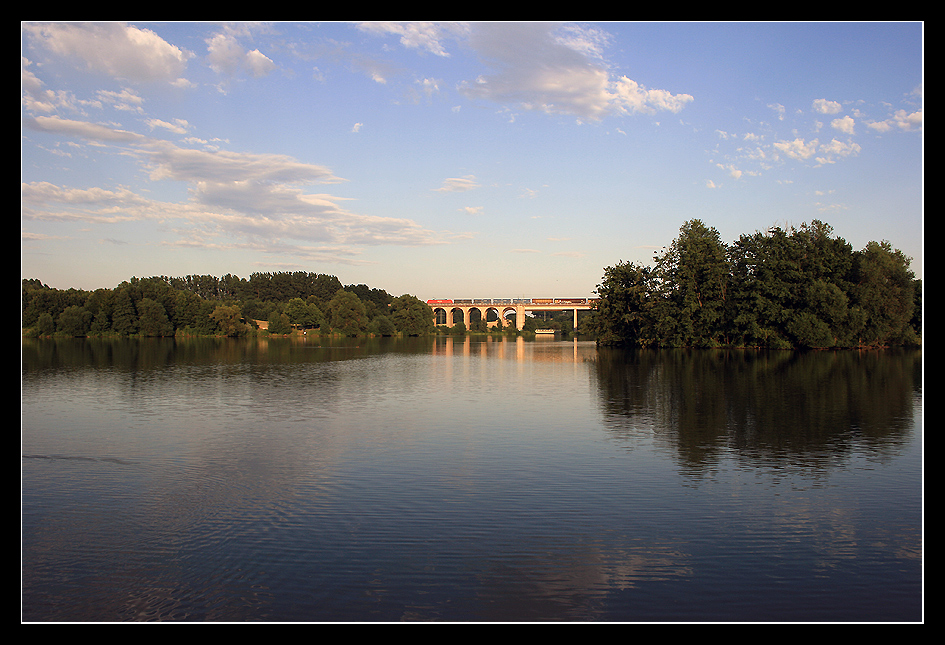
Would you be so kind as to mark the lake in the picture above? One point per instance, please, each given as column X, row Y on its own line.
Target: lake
column 467, row 480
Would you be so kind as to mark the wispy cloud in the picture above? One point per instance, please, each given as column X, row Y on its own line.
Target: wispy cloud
column 245, row 196
column 458, row 184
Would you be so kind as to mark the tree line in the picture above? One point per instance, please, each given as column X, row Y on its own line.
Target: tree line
column 786, row 287
column 205, row 305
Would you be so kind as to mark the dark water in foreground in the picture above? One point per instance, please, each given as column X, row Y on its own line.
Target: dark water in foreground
column 460, row 480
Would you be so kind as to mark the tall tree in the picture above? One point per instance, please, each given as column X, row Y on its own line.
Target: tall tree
column 693, row 277
column 883, row 289
column 45, row 325
column 74, row 321
column 152, row 319
column 411, row 316
column 279, row 323
column 303, row 314
column 229, row 320
column 186, row 310
column 347, row 313
column 621, row 316
column 124, row 313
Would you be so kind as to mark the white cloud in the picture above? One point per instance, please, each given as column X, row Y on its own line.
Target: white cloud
column 902, row 120
column 630, row 97
column 557, row 69
column 183, row 164
column 823, row 106
column 84, row 129
column 429, row 86
column 458, row 184
column 258, row 64
column 836, row 148
column 801, row 150
column 547, row 67
column 228, row 57
column 37, row 99
column 844, row 124
column 127, row 100
column 798, row 149
column 586, row 40
column 117, row 49
column 425, row 36
column 179, row 126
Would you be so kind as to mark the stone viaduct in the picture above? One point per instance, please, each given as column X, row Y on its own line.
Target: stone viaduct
column 446, row 311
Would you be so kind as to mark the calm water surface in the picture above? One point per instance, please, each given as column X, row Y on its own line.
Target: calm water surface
column 465, row 480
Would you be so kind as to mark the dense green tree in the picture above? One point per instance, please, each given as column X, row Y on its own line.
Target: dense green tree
column 621, row 309
column 690, row 288
column 101, row 303
column 189, row 302
column 382, row 326
column 366, row 294
column 228, row 320
column 781, row 288
column 883, row 289
column 411, row 316
column 916, row 321
column 233, row 287
column 282, row 287
column 74, row 321
column 45, row 325
column 101, row 322
column 205, row 324
column 205, row 286
column 255, row 309
column 347, row 314
column 124, row 313
column 152, row 319
column 303, row 314
column 186, row 310
column 790, row 288
column 279, row 323
column 37, row 300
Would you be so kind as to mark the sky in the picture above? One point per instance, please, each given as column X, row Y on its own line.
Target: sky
column 455, row 160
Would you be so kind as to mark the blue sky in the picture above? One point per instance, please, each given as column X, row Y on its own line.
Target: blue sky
column 455, row 160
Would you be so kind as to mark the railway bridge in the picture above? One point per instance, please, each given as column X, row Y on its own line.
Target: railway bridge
column 446, row 311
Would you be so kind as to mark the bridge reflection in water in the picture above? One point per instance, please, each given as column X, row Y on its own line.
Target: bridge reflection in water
column 446, row 311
